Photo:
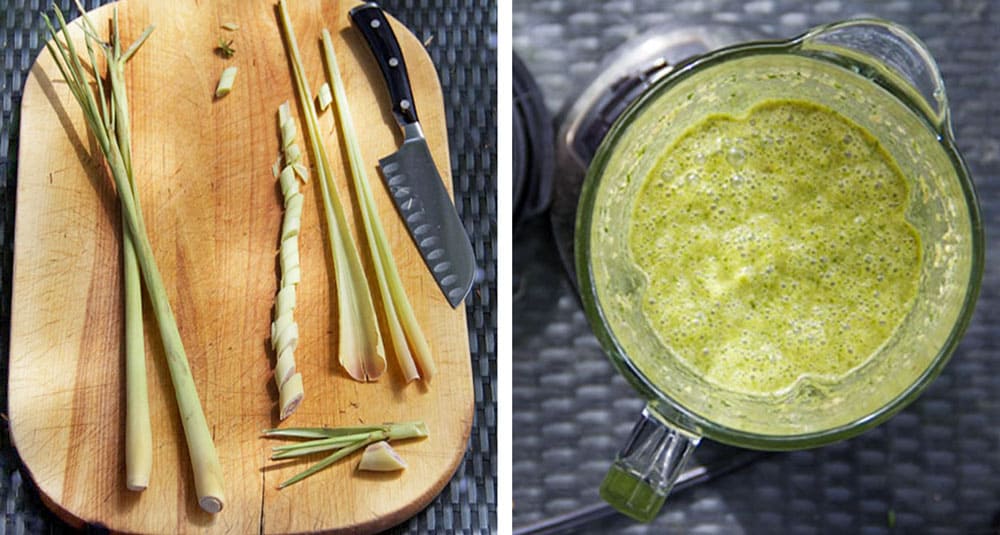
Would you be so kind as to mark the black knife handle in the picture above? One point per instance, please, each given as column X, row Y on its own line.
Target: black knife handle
column 373, row 25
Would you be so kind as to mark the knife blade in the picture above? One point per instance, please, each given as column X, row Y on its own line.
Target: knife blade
column 410, row 175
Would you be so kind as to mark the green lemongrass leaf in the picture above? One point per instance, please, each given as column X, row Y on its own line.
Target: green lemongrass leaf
column 318, row 446
column 334, row 457
column 319, row 432
column 205, row 462
column 360, row 351
column 398, row 310
column 134, row 47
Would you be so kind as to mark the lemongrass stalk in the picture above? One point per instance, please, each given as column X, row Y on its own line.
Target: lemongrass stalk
column 360, row 349
column 318, row 432
column 138, row 430
column 398, row 311
column 204, row 460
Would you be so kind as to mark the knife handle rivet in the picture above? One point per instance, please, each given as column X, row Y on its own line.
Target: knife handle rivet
column 376, row 23
column 405, row 104
column 393, row 62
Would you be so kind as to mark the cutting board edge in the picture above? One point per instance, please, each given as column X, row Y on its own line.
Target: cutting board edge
column 387, row 521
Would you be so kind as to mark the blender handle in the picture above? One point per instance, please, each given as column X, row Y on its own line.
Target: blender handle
column 647, row 467
column 889, row 55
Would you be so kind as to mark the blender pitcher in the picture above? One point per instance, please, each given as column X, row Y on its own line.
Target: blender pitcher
column 881, row 77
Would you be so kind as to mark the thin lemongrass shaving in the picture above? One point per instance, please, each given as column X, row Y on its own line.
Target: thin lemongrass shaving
column 380, row 457
column 404, row 329
column 360, row 350
column 204, row 460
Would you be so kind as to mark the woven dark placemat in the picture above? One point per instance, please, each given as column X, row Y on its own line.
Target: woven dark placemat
column 934, row 468
column 461, row 38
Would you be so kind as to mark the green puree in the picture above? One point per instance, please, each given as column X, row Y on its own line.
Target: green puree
column 775, row 246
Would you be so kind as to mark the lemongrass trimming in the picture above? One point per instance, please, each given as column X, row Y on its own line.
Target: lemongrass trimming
column 231, row 26
column 284, row 330
column 404, row 329
column 344, row 441
column 226, row 82
column 360, row 350
column 100, row 121
column 380, row 457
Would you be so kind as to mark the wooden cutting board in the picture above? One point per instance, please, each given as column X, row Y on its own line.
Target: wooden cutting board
column 213, row 212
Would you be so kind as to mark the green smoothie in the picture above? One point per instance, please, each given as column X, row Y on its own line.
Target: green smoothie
column 775, row 246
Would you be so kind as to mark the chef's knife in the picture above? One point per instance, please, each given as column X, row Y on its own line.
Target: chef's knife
column 410, row 174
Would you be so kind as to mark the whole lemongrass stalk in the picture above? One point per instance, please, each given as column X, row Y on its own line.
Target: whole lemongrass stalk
column 138, row 431
column 101, row 120
column 403, row 327
column 343, row 440
column 360, row 350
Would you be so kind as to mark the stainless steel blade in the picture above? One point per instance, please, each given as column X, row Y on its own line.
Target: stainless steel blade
column 428, row 213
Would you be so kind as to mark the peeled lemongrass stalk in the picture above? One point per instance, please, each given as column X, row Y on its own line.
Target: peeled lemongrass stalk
column 380, row 457
column 344, row 441
column 324, row 98
column 404, row 329
column 204, row 460
column 226, row 82
column 284, row 330
column 360, row 349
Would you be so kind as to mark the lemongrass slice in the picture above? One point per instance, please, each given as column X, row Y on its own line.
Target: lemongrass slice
column 226, row 82
column 290, row 396
column 230, row 26
column 360, row 350
column 406, row 333
column 380, row 457
column 324, row 98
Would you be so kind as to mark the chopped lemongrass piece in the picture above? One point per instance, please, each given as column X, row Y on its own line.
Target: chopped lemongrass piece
column 226, row 82
column 344, row 440
column 403, row 327
column 231, row 26
column 324, row 98
column 360, row 349
column 284, row 330
column 100, row 117
column 380, row 457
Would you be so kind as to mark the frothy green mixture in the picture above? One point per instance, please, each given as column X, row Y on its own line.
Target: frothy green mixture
column 776, row 246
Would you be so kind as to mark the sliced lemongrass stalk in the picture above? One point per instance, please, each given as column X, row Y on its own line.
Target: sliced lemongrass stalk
column 284, row 330
column 324, row 98
column 290, row 396
column 226, row 82
column 138, row 430
column 380, row 457
column 231, row 26
column 204, row 460
column 398, row 311
column 360, row 350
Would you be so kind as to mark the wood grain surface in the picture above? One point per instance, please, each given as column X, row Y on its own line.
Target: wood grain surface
column 213, row 212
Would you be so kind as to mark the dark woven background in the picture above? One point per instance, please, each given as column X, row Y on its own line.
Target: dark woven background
column 934, row 468
column 461, row 37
